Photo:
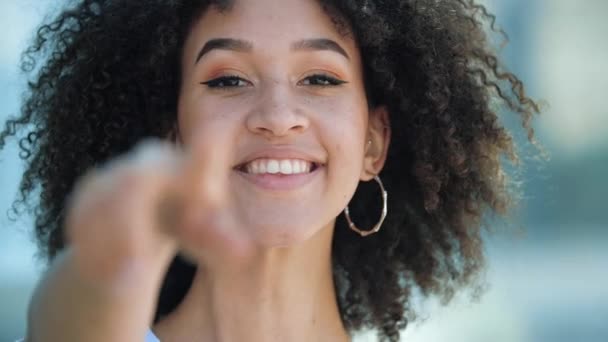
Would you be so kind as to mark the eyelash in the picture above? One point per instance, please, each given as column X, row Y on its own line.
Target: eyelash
column 217, row 82
column 331, row 81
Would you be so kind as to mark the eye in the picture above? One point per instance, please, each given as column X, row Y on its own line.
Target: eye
column 226, row 82
column 322, row 80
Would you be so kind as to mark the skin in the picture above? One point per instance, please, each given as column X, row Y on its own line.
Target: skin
column 264, row 256
column 110, row 245
column 285, row 291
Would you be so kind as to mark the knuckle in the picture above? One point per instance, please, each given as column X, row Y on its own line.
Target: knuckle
column 130, row 178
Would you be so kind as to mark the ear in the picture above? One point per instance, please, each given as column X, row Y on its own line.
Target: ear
column 376, row 143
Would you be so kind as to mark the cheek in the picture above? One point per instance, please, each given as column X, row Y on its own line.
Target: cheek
column 187, row 115
column 346, row 125
column 344, row 130
column 198, row 116
column 347, row 156
column 344, row 170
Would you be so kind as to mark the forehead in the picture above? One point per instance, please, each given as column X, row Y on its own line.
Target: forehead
column 269, row 23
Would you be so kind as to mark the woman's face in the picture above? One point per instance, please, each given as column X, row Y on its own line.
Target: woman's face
column 276, row 89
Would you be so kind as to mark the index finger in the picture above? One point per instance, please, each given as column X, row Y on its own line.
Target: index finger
column 205, row 172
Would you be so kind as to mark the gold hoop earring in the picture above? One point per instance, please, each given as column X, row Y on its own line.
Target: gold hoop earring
column 376, row 228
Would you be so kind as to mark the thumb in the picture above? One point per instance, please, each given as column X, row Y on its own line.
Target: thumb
column 209, row 229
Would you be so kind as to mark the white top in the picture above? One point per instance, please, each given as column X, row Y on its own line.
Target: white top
column 150, row 337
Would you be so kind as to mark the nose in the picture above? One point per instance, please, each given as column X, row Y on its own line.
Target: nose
column 277, row 115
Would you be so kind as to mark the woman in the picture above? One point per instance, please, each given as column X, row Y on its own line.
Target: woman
column 270, row 114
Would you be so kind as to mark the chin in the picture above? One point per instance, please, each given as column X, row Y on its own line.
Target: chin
column 285, row 235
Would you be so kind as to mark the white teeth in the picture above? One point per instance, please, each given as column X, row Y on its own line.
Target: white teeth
column 255, row 167
column 286, row 167
column 274, row 166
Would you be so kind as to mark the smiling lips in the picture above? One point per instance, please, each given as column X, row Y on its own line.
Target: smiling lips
column 280, row 170
column 278, row 166
column 280, row 161
column 279, row 175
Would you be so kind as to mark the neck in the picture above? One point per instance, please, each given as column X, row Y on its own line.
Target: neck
column 282, row 294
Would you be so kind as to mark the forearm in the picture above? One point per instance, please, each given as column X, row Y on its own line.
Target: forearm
column 67, row 306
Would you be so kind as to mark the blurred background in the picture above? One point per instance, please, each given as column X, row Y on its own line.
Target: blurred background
column 547, row 282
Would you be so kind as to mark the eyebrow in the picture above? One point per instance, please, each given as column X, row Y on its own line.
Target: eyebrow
column 319, row 44
column 238, row 45
column 224, row 44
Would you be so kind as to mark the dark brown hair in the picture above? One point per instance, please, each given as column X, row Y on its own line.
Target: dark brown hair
column 105, row 74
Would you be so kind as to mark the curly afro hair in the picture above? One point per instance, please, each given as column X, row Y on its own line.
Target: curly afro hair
column 105, row 74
